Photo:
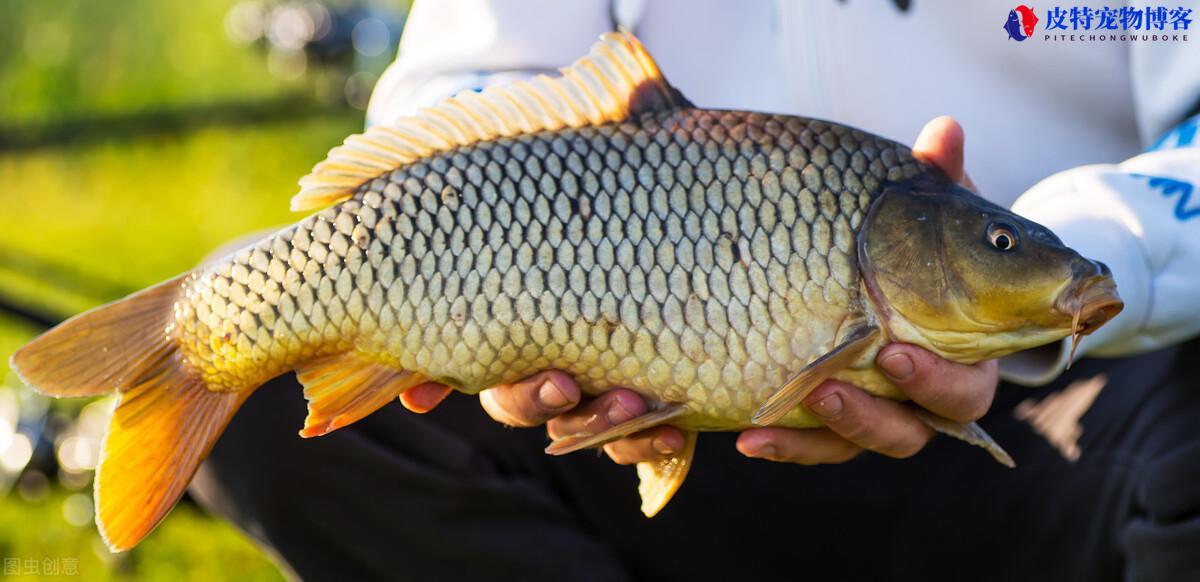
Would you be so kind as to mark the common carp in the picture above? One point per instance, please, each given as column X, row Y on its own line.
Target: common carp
column 719, row 263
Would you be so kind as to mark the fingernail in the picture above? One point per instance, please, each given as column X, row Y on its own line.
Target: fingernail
column 551, row 397
column 663, row 447
column 763, row 452
column 828, row 407
column 617, row 413
column 899, row 366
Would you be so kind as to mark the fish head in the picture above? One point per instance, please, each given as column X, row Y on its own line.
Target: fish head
column 969, row 280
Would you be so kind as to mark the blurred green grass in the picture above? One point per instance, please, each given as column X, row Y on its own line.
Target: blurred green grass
column 82, row 221
column 187, row 546
column 73, row 58
column 139, row 211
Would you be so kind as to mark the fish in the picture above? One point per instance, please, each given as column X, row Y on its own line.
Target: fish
column 1021, row 23
column 720, row 263
column 1029, row 19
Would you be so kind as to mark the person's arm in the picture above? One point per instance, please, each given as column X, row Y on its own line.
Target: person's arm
column 454, row 45
column 1141, row 217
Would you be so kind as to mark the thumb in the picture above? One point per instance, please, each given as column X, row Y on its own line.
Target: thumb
column 941, row 145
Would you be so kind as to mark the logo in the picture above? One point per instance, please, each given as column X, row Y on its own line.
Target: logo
column 1087, row 24
column 1021, row 22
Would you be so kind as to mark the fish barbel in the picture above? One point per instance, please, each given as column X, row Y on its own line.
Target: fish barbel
column 719, row 263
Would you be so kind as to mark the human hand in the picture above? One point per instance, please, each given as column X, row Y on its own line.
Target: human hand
column 550, row 398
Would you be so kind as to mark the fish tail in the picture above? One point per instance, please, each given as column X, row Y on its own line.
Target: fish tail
column 166, row 419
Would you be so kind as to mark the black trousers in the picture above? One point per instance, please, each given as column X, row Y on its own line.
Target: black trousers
column 454, row 496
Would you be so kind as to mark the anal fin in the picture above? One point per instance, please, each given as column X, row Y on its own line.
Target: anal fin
column 659, row 480
column 790, row 394
column 344, row 388
column 968, row 432
column 587, row 440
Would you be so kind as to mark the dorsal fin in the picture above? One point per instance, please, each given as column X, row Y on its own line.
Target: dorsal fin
column 617, row 79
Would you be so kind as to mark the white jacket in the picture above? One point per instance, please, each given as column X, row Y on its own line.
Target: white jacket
column 1053, row 120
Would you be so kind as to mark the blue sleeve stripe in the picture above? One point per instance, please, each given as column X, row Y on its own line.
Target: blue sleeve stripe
column 1168, row 187
column 1183, row 136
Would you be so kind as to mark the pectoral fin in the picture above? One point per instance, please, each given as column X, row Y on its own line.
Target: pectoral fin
column 660, row 480
column 790, row 395
column 587, row 440
column 968, row 432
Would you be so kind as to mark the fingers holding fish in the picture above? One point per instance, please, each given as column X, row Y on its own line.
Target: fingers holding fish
column 599, row 414
column 809, row 446
column 654, row 444
column 876, row 424
column 610, row 410
column 956, row 391
column 532, row 401
column 425, row 397
column 940, row 143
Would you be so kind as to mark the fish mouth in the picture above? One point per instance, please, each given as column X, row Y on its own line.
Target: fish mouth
column 1091, row 302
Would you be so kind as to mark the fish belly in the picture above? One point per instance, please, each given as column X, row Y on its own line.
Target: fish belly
column 694, row 256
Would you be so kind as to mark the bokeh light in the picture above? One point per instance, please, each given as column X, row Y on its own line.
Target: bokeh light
column 330, row 43
column 33, row 486
column 17, row 454
column 77, row 509
column 246, row 22
column 358, row 89
column 290, row 27
column 371, row 37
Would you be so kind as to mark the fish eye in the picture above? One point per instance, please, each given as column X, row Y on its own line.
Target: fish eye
column 1002, row 236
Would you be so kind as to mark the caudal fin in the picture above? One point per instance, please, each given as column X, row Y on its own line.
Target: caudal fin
column 166, row 420
column 108, row 349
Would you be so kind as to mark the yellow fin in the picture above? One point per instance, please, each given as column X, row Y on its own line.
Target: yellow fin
column 104, row 350
column 344, row 388
column 658, row 481
column 587, row 440
column 159, row 433
column 617, row 79
column 790, row 394
column 968, row 432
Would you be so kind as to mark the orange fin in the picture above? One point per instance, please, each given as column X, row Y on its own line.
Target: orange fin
column 968, row 432
column 659, row 480
column 344, row 388
column 103, row 350
column 159, row 433
column 587, row 440
column 787, row 397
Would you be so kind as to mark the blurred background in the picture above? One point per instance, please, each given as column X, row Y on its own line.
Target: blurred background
column 136, row 136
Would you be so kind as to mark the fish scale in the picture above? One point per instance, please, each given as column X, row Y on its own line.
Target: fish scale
column 694, row 256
